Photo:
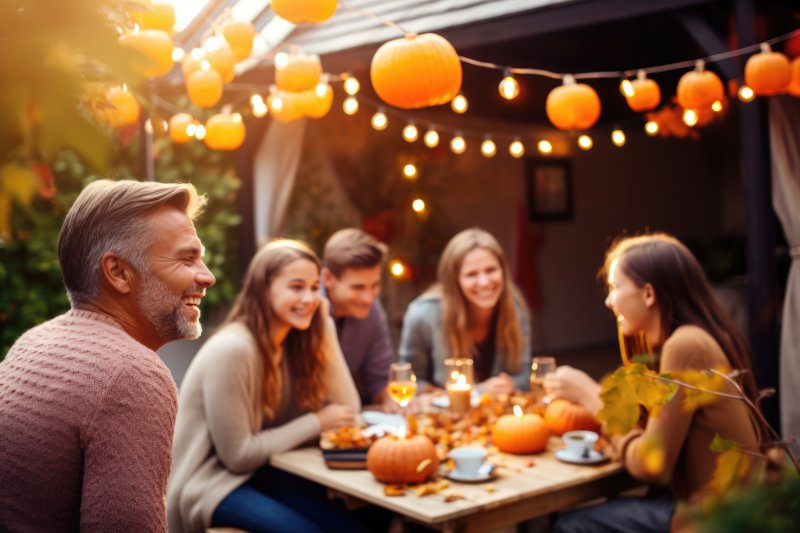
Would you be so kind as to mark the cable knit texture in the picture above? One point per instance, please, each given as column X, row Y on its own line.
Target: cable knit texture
column 86, row 421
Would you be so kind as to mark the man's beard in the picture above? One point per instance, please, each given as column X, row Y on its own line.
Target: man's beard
column 165, row 311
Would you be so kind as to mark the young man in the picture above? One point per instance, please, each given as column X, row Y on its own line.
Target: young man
column 87, row 408
column 351, row 276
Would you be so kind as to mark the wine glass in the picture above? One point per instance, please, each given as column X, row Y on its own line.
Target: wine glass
column 540, row 367
column 402, row 383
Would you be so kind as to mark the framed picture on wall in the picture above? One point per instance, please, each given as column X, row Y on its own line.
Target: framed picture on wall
column 549, row 183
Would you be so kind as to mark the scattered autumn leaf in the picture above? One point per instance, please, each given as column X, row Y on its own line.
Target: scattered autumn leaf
column 423, row 464
column 394, row 490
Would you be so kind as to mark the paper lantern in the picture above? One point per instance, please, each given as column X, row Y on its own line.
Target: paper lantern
column 646, row 94
column 239, row 35
column 402, row 460
column 520, row 433
column 573, row 106
column 767, row 72
column 794, row 83
column 562, row 416
column 699, row 88
column 225, row 131
column 177, row 128
column 161, row 17
column 156, row 46
column 124, row 109
column 297, row 71
column 204, row 87
column 416, row 71
column 304, row 11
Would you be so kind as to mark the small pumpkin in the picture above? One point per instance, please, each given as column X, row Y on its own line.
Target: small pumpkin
column 284, row 106
column 397, row 71
column 646, row 94
column 156, row 46
column 239, row 35
column 124, row 109
column 699, row 88
column 219, row 55
column 562, row 416
column 225, row 131
column 304, row 11
column 794, row 84
column 402, row 460
column 298, row 72
column 160, row 17
column 573, row 106
column 204, row 87
column 316, row 103
column 177, row 128
column 520, row 433
column 767, row 72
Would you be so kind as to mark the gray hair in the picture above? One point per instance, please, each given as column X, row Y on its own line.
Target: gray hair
column 109, row 216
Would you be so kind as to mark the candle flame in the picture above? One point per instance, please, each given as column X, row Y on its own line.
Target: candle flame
column 517, row 410
column 461, row 379
column 401, row 432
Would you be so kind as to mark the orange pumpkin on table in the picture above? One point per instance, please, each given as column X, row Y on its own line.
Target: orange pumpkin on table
column 402, row 460
column 562, row 416
column 520, row 433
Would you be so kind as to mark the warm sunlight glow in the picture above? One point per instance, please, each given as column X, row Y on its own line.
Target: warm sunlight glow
column 186, row 11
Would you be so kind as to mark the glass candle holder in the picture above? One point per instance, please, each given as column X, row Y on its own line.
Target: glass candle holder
column 459, row 372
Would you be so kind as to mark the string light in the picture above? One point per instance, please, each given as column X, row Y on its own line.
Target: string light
column 418, row 205
column 716, row 107
column 459, row 104
column 618, row 137
column 281, row 60
column 410, row 133
column 199, row 132
column 236, row 117
column 258, row 106
column 379, row 121
column 516, row 149
column 410, row 171
column 746, row 94
column 431, row 138
column 350, row 105
column 509, row 88
column 626, row 88
column 457, row 144
column 351, row 86
column 585, row 142
column 178, row 54
column 148, row 126
column 690, row 117
column 545, row 147
column 651, row 127
column 198, row 53
column 488, row 148
column 191, row 129
column 397, row 268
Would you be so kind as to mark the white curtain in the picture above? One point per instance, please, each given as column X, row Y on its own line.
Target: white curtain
column 784, row 129
column 274, row 171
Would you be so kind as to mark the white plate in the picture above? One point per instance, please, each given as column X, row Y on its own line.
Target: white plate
column 485, row 472
column 568, row 457
column 374, row 418
column 443, row 401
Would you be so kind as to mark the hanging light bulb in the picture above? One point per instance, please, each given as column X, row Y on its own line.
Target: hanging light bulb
column 488, row 148
column 431, row 138
column 178, row 54
column 379, row 121
column 651, row 127
column 516, row 148
column 256, row 99
column 716, row 107
column 418, row 205
column 410, row 171
column 585, row 142
column 281, row 60
column 397, row 268
column 509, row 88
column 410, row 133
column 148, row 126
column 458, row 144
column 350, row 105
column 618, row 137
column 626, row 88
column 746, row 94
column 260, row 110
column 236, row 117
column 200, row 132
column 545, row 147
column 459, row 103
column 191, row 129
column 351, row 86
column 690, row 117
column 197, row 53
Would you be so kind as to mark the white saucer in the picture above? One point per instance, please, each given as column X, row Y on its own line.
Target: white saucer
column 443, row 401
column 484, row 473
column 378, row 418
column 568, row 457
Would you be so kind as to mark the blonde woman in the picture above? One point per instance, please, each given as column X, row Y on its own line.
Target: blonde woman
column 272, row 378
column 473, row 311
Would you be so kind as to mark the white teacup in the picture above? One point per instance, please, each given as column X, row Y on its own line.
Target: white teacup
column 580, row 443
column 468, row 460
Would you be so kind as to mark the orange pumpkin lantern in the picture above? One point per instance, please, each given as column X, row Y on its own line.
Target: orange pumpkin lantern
column 794, row 83
column 225, row 131
column 219, row 55
column 699, row 88
column 317, row 102
column 573, row 106
column 156, row 46
column 397, row 66
column 520, row 433
column 767, row 72
column 646, row 95
column 239, row 35
column 124, row 109
column 304, row 11
column 402, row 460
column 284, row 106
column 297, row 71
column 562, row 416
column 160, row 17
column 204, row 87
column 178, row 125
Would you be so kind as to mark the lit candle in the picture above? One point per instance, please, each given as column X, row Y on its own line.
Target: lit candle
column 460, row 392
column 520, row 433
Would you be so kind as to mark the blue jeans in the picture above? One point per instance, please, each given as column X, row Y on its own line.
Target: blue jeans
column 274, row 500
column 621, row 515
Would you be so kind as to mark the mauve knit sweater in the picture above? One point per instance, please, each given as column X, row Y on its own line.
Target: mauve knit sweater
column 86, row 421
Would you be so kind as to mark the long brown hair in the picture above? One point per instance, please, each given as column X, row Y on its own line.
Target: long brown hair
column 682, row 293
column 455, row 318
column 301, row 348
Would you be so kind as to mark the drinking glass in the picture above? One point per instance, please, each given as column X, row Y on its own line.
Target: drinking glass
column 459, row 382
column 402, row 383
column 540, row 367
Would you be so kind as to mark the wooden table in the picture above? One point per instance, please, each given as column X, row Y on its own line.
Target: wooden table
column 520, row 492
